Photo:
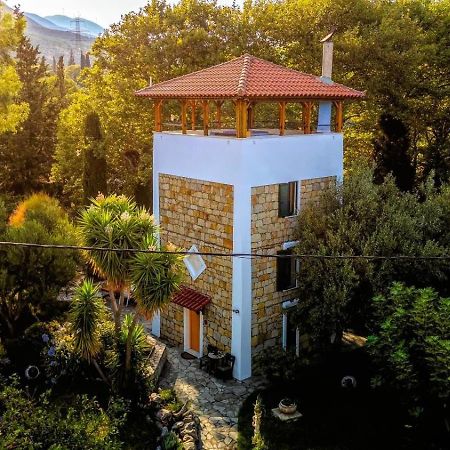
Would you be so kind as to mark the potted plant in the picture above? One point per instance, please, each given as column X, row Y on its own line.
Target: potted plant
column 287, row 406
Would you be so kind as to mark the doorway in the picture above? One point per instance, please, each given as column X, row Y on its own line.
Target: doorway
column 193, row 332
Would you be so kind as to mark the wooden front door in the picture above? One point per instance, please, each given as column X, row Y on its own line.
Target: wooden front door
column 194, row 331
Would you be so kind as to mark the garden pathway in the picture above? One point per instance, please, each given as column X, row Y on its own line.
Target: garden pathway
column 215, row 402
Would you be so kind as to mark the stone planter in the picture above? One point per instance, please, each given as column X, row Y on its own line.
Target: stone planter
column 287, row 406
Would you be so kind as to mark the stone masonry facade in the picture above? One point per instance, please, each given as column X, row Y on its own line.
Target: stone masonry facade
column 269, row 232
column 201, row 213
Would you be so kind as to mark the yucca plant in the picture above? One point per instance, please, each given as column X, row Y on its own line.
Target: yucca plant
column 86, row 313
column 116, row 222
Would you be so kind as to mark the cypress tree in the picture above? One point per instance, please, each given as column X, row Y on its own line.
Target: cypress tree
column 54, row 65
column 61, row 77
column 392, row 153
column 82, row 60
column 71, row 58
column 94, row 164
column 88, row 60
column 26, row 156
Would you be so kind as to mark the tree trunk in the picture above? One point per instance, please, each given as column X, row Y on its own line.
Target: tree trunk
column 100, row 372
column 116, row 312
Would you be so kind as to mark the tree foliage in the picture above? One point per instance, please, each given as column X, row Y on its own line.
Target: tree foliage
column 411, row 346
column 12, row 112
column 31, row 278
column 26, row 156
column 95, row 166
column 116, row 222
column 362, row 218
column 396, row 51
column 43, row 423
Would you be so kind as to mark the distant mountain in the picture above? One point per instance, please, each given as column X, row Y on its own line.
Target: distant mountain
column 53, row 39
column 87, row 26
column 44, row 22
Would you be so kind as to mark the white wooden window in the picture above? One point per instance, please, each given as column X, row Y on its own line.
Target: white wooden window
column 291, row 334
column 288, row 199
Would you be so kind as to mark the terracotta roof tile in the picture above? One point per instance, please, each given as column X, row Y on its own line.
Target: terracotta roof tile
column 252, row 78
column 191, row 299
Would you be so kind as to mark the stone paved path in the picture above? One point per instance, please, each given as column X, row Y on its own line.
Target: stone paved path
column 215, row 402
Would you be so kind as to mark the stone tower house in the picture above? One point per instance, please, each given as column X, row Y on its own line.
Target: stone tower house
column 237, row 189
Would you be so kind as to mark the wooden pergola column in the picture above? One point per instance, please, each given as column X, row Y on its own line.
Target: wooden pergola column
column 193, row 106
column 306, row 115
column 205, row 117
column 219, row 114
column 282, row 117
column 241, row 118
column 339, row 121
column 158, row 115
column 251, row 115
column 183, row 116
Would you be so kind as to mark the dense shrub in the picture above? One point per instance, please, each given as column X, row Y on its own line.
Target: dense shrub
column 69, row 424
column 411, row 347
column 359, row 217
column 31, row 278
column 279, row 366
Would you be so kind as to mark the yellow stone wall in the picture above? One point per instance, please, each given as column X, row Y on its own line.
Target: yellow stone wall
column 311, row 189
column 269, row 232
column 201, row 213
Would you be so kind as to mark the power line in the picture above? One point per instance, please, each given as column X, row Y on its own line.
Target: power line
column 227, row 255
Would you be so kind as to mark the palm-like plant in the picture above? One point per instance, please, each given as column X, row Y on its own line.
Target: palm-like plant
column 116, row 222
column 86, row 313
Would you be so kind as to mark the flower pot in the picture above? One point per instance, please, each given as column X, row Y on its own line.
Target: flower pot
column 287, row 406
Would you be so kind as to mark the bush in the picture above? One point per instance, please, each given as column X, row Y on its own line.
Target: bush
column 172, row 442
column 76, row 424
column 279, row 366
column 31, row 278
column 411, row 348
column 359, row 217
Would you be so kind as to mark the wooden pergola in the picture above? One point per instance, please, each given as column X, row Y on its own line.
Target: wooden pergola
column 247, row 81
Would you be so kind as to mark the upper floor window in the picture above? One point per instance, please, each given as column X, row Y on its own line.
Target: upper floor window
column 286, row 271
column 287, row 199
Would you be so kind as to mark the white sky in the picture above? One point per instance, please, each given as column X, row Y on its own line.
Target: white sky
column 103, row 12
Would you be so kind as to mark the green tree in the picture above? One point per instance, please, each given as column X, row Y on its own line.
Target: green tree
column 396, row 51
column 12, row 112
column 61, row 78
column 31, row 278
column 116, row 222
column 411, row 347
column 86, row 315
column 76, row 423
column 27, row 155
column 95, row 166
column 391, row 153
column 71, row 58
column 362, row 218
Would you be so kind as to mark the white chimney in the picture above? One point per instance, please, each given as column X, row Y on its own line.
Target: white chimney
column 327, row 60
column 324, row 119
column 327, row 57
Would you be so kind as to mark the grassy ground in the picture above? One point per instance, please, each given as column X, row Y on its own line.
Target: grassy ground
column 333, row 418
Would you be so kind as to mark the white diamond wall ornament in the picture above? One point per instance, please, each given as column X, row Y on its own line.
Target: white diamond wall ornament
column 194, row 263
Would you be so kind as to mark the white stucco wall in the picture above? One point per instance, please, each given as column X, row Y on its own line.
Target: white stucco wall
column 244, row 163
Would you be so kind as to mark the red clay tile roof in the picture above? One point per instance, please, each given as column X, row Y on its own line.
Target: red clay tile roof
column 249, row 77
column 191, row 299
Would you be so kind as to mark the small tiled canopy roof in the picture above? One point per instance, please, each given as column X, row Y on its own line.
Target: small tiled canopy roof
column 248, row 77
column 191, row 299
